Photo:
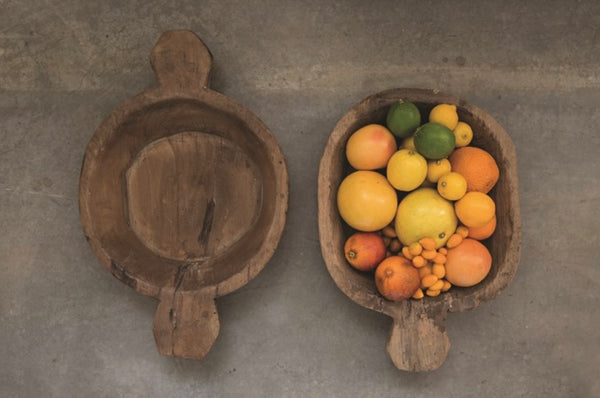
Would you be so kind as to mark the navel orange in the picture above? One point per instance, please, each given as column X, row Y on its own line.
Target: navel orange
column 477, row 166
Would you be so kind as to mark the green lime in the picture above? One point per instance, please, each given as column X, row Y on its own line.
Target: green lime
column 434, row 141
column 403, row 118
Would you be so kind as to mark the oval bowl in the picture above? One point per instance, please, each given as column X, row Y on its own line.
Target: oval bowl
column 418, row 340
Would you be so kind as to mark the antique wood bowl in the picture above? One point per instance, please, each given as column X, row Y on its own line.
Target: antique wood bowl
column 418, row 340
column 183, row 195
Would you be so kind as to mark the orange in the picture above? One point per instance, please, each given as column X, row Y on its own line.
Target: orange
column 370, row 147
column 396, row 279
column 477, row 166
column 468, row 263
column 481, row 233
column 366, row 201
column 364, row 250
column 475, row 209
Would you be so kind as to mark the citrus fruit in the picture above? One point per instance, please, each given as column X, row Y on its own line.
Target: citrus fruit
column 364, row 250
column 477, row 166
column 406, row 170
column 468, row 263
column 444, row 114
column 481, row 233
column 424, row 213
column 452, row 186
column 434, row 141
column 463, row 134
column 403, row 118
column 396, row 279
column 475, row 209
column 370, row 147
column 366, row 201
column 408, row 143
column 437, row 168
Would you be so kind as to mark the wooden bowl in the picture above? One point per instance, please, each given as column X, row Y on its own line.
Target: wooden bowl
column 418, row 339
column 183, row 195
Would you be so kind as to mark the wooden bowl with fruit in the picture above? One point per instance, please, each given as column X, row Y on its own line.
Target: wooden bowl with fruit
column 183, row 195
column 419, row 214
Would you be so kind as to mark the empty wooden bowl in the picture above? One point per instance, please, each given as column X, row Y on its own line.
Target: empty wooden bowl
column 183, row 195
column 418, row 340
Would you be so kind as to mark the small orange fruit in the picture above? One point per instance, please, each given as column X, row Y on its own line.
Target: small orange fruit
column 364, row 250
column 477, row 166
column 396, row 279
column 481, row 233
column 468, row 263
column 370, row 147
column 475, row 209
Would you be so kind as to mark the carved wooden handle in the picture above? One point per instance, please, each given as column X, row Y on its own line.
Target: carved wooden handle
column 418, row 339
column 181, row 60
column 186, row 324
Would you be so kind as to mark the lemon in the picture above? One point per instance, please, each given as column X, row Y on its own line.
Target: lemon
column 366, row 201
column 424, row 213
column 437, row 168
column 463, row 134
column 403, row 118
column 444, row 114
column 406, row 170
column 434, row 141
column 408, row 143
column 452, row 186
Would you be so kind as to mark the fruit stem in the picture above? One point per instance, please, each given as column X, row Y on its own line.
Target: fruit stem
column 351, row 254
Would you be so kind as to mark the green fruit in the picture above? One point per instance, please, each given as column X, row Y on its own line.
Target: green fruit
column 403, row 118
column 434, row 141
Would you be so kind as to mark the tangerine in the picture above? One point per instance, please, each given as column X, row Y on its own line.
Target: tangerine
column 477, row 166
column 364, row 250
column 481, row 233
column 475, row 209
column 396, row 279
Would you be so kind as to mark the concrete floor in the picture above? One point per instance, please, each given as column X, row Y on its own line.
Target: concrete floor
column 70, row 329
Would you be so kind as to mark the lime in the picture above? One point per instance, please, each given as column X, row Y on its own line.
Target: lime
column 403, row 118
column 434, row 141
column 424, row 213
column 406, row 170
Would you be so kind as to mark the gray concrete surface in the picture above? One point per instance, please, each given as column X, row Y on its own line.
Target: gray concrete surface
column 69, row 329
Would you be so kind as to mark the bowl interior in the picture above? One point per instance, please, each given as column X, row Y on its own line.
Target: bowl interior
column 360, row 286
column 180, row 184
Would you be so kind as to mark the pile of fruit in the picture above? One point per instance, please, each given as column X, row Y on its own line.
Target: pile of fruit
column 418, row 203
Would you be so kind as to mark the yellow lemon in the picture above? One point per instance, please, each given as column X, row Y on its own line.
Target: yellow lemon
column 444, row 114
column 463, row 134
column 452, row 186
column 408, row 143
column 424, row 213
column 406, row 170
column 437, row 168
